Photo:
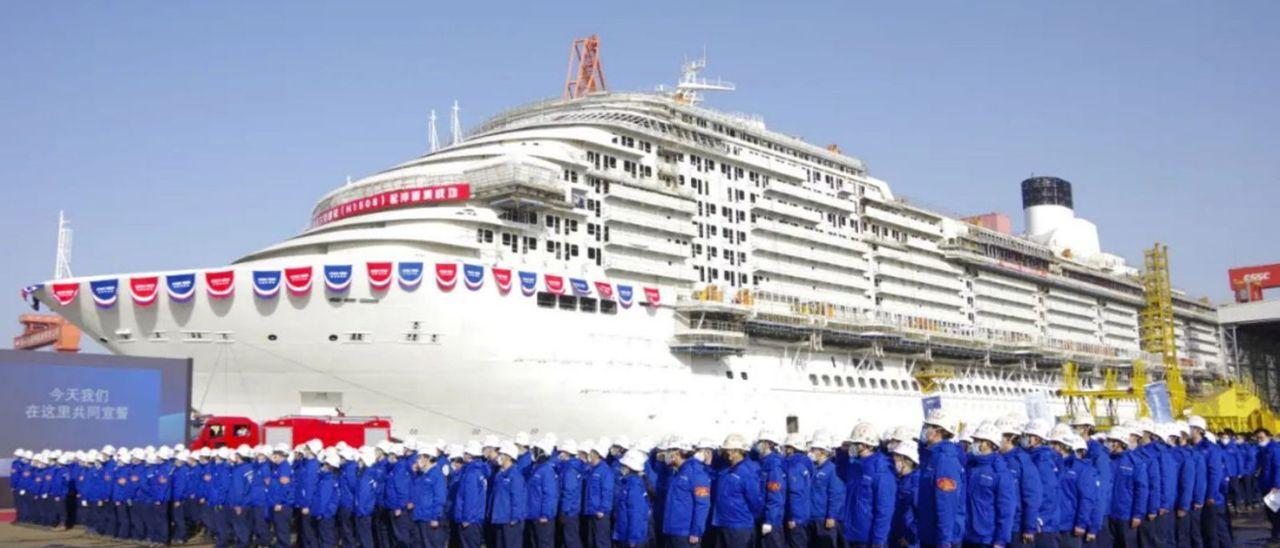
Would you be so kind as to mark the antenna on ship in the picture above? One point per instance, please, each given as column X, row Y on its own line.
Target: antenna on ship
column 585, row 73
column 690, row 88
column 433, row 140
column 455, row 124
column 62, row 264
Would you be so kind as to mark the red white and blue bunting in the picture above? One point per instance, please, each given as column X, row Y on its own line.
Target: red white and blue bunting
column 473, row 276
column 65, row 293
column 580, row 287
column 555, row 284
column 652, row 295
column 105, row 292
column 446, row 276
column 180, row 287
column 528, row 283
column 220, row 285
column 502, row 278
column 298, row 280
column 625, row 296
column 144, row 290
column 337, row 277
column 380, row 275
column 605, row 290
column 410, row 275
column 266, row 283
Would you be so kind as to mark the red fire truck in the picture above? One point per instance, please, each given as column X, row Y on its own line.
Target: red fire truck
column 223, row 431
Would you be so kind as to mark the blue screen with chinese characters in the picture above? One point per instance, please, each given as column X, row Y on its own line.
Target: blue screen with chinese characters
column 78, row 407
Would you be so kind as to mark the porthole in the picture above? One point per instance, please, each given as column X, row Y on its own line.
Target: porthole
column 915, row 385
column 813, row 379
column 728, row 375
column 271, row 337
column 862, row 382
column 849, row 381
column 894, row 383
column 743, row 375
column 884, row 385
column 839, row 381
column 333, row 338
column 826, row 380
column 879, row 365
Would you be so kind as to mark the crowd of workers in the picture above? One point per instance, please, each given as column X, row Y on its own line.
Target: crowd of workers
column 1003, row 483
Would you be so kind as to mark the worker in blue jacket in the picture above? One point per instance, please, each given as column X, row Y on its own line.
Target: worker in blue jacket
column 1035, row 439
column 941, row 519
column 543, row 494
column 827, row 504
column 324, row 501
column 90, row 485
column 903, row 529
column 396, row 501
column 472, row 494
column 992, row 493
column 19, row 474
column 1268, row 472
column 508, row 500
column 1231, row 452
column 1026, row 478
column 184, row 481
column 240, row 514
column 1129, row 490
column 1248, row 470
column 204, row 483
column 598, row 492
column 773, row 483
column 58, row 488
column 632, row 515
column 688, row 498
column 1079, row 491
column 1185, row 466
column 870, row 491
column 1214, row 526
column 798, row 470
column 736, row 497
column 348, row 483
column 259, row 510
column 429, row 490
column 1199, row 489
column 280, row 495
column 1148, row 532
column 572, row 471
column 1100, row 459
column 367, row 492
column 1169, row 484
column 159, row 488
column 306, row 472
column 122, row 493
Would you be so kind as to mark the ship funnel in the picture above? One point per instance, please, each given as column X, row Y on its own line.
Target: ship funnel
column 1046, row 204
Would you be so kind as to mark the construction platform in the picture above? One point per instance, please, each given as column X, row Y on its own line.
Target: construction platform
column 1251, row 332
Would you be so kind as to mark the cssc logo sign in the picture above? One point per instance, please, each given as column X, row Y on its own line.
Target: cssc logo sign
column 1256, row 277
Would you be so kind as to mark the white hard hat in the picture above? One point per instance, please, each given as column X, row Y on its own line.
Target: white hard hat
column 547, row 445
column 1196, row 421
column 1122, row 434
column 315, row 445
column 1077, row 443
column 569, row 446
column 644, row 444
column 491, row 441
column 909, row 451
column 864, row 433
column 137, row 453
column 369, row 458
column 473, row 449
column 940, row 418
column 244, row 451
column 622, row 441
column 1083, row 419
column 904, row 434
column 1147, row 426
column 988, row 432
column 706, row 443
column 770, row 436
column 1061, row 433
column 796, row 440
column 1039, row 428
column 605, row 443
column 108, row 449
column 1182, row 428
column 397, row 449
column 635, row 460
column 735, row 441
column 455, row 451
column 1010, row 425
column 332, row 459
column 966, row 433
column 509, row 449
column 523, row 438
column 164, row 452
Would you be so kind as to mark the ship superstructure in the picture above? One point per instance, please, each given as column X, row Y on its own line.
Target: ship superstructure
column 768, row 282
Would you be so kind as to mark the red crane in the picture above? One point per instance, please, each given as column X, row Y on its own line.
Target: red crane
column 1248, row 281
column 585, row 73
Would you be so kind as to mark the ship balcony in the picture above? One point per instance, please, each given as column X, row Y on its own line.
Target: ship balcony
column 773, row 207
column 803, row 193
column 690, row 307
column 808, row 234
column 516, row 183
column 680, row 224
column 670, row 270
column 646, row 244
column 903, row 221
column 653, row 198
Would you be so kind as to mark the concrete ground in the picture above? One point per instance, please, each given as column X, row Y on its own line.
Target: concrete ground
column 1251, row 530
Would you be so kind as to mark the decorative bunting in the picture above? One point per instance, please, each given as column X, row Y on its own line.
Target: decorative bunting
column 502, row 278
column 105, row 292
column 337, row 277
column 410, row 275
column 220, row 285
column 651, row 294
column 266, row 283
column 64, row 293
column 298, row 280
column 379, row 275
column 605, row 290
column 446, row 276
column 555, row 284
column 181, row 287
column 473, row 276
column 580, row 287
column 625, row 296
column 528, row 283
column 144, row 290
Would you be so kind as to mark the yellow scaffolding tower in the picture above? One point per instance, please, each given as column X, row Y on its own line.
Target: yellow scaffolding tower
column 1157, row 323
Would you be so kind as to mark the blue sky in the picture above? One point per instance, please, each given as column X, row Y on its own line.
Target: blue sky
column 182, row 135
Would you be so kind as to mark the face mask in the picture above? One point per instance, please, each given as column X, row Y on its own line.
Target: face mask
column 704, row 458
column 975, row 449
column 1024, row 442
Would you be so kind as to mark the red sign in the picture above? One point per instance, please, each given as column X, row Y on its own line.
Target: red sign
column 220, row 284
column 144, row 290
column 379, row 275
column 446, row 275
column 502, row 276
column 605, row 289
column 555, row 284
column 298, row 280
column 1264, row 276
column 653, row 296
column 65, row 293
column 452, row 192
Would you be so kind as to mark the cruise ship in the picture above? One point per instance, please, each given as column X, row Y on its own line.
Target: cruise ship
column 637, row 263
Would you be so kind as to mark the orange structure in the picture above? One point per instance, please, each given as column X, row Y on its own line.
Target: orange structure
column 585, row 73
column 41, row 330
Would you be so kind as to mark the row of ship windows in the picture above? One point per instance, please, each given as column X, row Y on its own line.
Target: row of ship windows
column 569, row 302
column 894, row 384
column 228, row 336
